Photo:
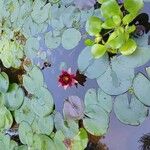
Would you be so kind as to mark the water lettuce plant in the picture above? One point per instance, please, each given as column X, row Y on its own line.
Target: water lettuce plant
column 113, row 31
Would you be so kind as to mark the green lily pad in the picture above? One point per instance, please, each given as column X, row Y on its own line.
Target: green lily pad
column 14, row 97
column 97, row 120
column 93, row 97
column 6, row 118
column 141, row 86
column 43, row 125
column 90, row 66
column 51, row 40
column 42, row 142
column 43, row 103
column 131, row 112
column 25, row 112
column 116, row 80
column 6, row 143
column 73, row 108
column 59, row 140
column 25, row 133
column 33, row 80
column 73, row 36
column 80, row 140
column 4, row 80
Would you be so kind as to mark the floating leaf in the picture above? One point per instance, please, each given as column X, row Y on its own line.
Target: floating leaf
column 43, row 125
column 73, row 108
column 93, row 68
column 59, row 141
column 80, row 140
column 52, row 41
column 6, row 118
column 73, row 36
column 93, row 25
column 93, row 97
column 43, row 103
column 34, row 80
column 97, row 120
column 128, row 4
column 4, row 82
column 25, row 133
column 25, row 112
column 131, row 112
column 116, row 80
column 42, row 142
column 110, row 8
column 14, row 97
column 98, row 50
column 40, row 12
column 31, row 49
column 6, row 143
column 129, row 47
column 141, row 86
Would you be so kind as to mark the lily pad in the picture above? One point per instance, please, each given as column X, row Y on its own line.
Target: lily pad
column 4, row 80
column 51, row 40
column 25, row 112
column 25, row 133
column 141, row 86
column 93, row 97
column 116, row 80
column 131, row 112
column 93, row 68
column 14, row 97
column 6, row 118
column 34, row 80
column 97, row 120
column 6, row 143
column 43, row 125
column 70, row 38
column 43, row 103
column 73, row 108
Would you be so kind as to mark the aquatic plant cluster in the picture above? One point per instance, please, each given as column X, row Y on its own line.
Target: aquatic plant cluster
column 116, row 43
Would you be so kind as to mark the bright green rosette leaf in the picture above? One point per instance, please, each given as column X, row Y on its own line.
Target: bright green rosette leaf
column 138, row 4
column 93, row 26
column 110, row 8
column 98, row 50
column 129, row 47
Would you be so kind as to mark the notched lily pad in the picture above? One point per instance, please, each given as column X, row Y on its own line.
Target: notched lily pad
column 141, row 86
column 70, row 38
column 131, row 112
column 93, row 68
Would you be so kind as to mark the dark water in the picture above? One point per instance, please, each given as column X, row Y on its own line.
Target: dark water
column 119, row 136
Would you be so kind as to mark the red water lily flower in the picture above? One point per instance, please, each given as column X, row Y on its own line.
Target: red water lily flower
column 67, row 79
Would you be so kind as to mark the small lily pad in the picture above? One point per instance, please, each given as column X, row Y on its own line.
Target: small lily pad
column 70, row 38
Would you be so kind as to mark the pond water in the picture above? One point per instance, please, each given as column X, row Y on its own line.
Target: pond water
column 119, row 136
